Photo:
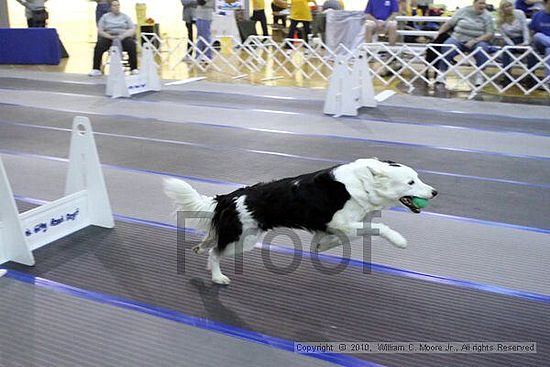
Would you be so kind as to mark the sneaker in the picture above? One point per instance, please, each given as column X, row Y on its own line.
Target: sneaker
column 95, row 72
column 440, row 79
column 478, row 79
column 135, row 72
column 396, row 65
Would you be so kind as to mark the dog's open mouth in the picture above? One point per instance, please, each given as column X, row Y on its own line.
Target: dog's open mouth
column 408, row 202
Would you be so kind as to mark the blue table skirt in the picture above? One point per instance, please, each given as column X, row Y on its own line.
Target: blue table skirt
column 29, row 46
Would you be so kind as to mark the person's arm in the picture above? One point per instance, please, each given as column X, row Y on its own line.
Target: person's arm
column 101, row 29
column 446, row 27
column 483, row 38
column 394, row 10
column 505, row 37
column 523, row 21
column 130, row 32
column 103, row 34
column 450, row 24
column 24, row 3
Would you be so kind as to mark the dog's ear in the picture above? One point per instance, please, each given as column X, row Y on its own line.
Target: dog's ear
column 376, row 171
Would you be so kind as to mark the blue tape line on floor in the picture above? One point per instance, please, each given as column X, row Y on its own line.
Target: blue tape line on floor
column 182, row 318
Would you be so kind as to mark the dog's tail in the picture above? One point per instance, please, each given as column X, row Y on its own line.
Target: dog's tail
column 188, row 199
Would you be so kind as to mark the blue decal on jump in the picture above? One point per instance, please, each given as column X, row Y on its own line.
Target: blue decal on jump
column 43, row 227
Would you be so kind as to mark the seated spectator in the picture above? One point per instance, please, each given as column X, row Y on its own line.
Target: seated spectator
column 423, row 5
column 473, row 28
column 115, row 26
column 540, row 26
column 277, row 6
column 35, row 12
column 529, row 7
column 381, row 17
column 512, row 25
column 332, row 4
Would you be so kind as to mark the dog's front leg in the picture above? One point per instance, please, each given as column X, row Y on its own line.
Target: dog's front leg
column 355, row 229
column 394, row 237
column 214, row 264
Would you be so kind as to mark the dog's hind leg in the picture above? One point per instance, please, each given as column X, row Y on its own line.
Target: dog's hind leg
column 324, row 242
column 246, row 243
column 209, row 242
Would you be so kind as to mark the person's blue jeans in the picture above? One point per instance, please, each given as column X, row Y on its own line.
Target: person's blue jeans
column 541, row 44
column 506, row 58
column 203, row 30
column 479, row 56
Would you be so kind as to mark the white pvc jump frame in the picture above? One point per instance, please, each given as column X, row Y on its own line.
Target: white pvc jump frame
column 85, row 203
column 121, row 85
column 349, row 90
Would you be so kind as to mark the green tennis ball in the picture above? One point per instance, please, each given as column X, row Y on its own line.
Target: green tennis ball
column 420, row 202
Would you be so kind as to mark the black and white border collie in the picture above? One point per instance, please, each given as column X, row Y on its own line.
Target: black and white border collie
column 327, row 202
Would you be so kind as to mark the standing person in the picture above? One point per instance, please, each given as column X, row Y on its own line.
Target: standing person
column 299, row 13
column 540, row 26
column 204, row 11
column 529, row 7
column 188, row 16
column 258, row 15
column 512, row 25
column 473, row 28
column 35, row 12
column 102, row 8
column 381, row 17
column 115, row 26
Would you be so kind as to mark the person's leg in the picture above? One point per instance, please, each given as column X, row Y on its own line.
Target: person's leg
column 506, row 58
column 255, row 17
column 391, row 30
column 189, row 26
column 449, row 54
column 101, row 46
column 30, row 23
column 129, row 45
column 291, row 30
column 480, row 56
column 208, row 38
column 201, row 34
column 263, row 22
column 306, row 30
column 370, row 28
column 541, row 44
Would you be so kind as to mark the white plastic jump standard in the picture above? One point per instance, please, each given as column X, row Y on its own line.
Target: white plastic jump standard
column 85, row 203
column 348, row 91
column 120, row 85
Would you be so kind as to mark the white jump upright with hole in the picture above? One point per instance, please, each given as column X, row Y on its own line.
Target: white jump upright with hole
column 349, row 91
column 121, row 85
column 85, row 203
